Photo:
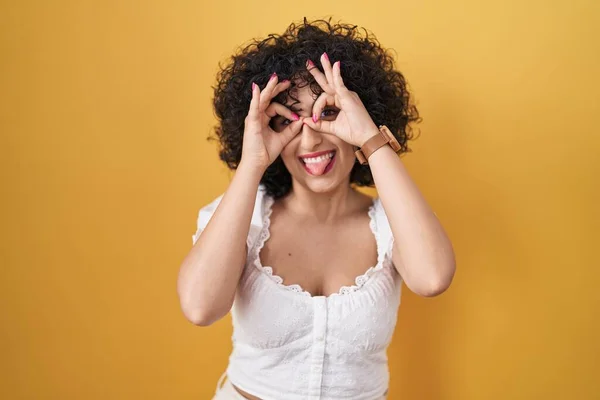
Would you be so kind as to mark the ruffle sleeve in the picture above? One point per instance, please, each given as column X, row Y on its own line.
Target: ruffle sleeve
column 385, row 238
column 206, row 212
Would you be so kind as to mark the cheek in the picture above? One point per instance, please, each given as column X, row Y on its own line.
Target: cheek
column 288, row 154
column 347, row 154
column 348, row 161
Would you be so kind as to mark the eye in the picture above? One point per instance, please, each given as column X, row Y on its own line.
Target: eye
column 329, row 113
column 279, row 124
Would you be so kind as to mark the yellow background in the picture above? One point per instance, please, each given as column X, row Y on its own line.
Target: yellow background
column 104, row 112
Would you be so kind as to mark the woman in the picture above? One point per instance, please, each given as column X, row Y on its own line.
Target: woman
column 287, row 247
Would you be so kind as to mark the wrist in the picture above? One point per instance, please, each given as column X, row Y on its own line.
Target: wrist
column 366, row 135
column 251, row 170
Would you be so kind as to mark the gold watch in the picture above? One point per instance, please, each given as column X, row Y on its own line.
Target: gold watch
column 376, row 142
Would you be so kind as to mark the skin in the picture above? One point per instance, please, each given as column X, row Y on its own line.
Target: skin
column 326, row 212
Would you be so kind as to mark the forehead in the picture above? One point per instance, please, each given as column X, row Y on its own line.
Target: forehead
column 300, row 94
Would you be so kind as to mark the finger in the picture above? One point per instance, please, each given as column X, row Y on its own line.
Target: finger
column 290, row 132
column 338, row 82
column 279, row 109
column 281, row 86
column 253, row 109
column 323, row 100
column 320, row 125
column 265, row 96
column 319, row 77
column 327, row 68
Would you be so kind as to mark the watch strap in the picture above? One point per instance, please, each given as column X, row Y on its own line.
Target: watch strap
column 376, row 142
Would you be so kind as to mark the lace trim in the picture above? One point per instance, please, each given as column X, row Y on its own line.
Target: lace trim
column 359, row 281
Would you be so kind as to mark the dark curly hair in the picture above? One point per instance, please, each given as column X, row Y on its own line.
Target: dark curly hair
column 366, row 67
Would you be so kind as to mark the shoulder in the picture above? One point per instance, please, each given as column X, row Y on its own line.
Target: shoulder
column 207, row 211
column 378, row 212
column 384, row 232
column 260, row 206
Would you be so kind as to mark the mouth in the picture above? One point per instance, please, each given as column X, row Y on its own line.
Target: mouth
column 319, row 165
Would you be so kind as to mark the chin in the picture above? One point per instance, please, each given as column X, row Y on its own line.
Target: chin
column 322, row 186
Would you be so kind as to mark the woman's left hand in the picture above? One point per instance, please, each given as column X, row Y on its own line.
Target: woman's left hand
column 353, row 123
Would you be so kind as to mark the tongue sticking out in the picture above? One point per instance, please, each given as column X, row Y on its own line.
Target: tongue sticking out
column 318, row 168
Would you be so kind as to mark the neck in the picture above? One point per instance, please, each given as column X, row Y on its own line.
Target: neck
column 326, row 207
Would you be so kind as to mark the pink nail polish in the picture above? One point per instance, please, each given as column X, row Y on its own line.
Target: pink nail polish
column 295, row 117
column 326, row 56
column 273, row 75
column 253, row 85
column 285, row 81
column 314, row 118
column 310, row 64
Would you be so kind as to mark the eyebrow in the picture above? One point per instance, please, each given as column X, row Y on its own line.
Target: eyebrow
column 294, row 106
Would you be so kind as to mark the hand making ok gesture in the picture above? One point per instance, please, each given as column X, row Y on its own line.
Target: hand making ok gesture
column 353, row 123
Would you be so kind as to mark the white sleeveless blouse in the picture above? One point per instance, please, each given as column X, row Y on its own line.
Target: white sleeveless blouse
column 288, row 344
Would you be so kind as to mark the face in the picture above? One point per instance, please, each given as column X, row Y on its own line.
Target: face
column 318, row 161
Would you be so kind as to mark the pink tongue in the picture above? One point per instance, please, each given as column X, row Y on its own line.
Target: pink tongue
column 319, row 167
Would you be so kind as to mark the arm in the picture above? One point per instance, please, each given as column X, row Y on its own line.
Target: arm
column 422, row 253
column 209, row 274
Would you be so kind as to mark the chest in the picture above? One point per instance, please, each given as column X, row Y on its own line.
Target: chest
column 320, row 258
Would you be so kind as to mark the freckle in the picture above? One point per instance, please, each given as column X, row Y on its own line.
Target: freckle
column 289, row 254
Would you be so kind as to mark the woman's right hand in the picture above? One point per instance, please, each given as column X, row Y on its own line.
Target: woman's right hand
column 261, row 143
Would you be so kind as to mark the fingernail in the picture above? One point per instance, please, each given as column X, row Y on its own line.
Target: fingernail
column 326, row 56
column 295, row 117
column 253, row 85
column 273, row 75
column 309, row 64
column 314, row 118
column 339, row 63
column 285, row 81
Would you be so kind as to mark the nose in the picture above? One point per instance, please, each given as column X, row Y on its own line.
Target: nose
column 309, row 138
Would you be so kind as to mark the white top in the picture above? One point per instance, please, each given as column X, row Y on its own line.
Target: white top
column 290, row 344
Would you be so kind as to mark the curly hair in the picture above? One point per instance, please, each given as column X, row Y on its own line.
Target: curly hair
column 367, row 69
